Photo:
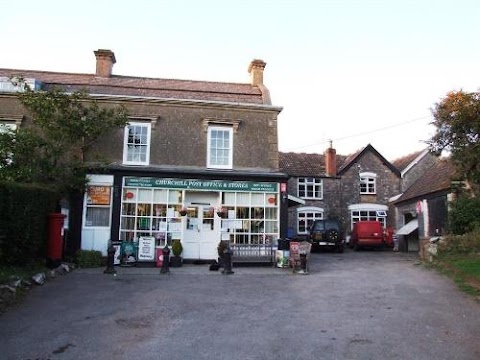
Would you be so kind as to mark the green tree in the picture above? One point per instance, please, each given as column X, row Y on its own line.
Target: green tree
column 65, row 126
column 457, row 122
column 464, row 215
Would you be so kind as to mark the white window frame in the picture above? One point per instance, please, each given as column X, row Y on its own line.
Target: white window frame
column 105, row 207
column 367, row 215
column 147, row 145
column 315, row 183
column 311, row 213
column 369, row 180
column 210, row 163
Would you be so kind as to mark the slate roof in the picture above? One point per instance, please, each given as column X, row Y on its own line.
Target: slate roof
column 145, row 87
column 303, row 164
column 437, row 178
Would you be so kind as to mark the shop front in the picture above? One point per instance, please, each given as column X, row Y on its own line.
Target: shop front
column 198, row 212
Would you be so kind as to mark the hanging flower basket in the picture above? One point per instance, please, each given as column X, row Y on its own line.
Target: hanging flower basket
column 222, row 212
column 183, row 212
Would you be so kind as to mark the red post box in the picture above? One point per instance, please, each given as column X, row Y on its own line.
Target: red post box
column 55, row 240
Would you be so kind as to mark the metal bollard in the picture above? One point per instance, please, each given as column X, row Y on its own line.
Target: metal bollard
column 166, row 260
column 227, row 261
column 303, row 263
column 110, row 261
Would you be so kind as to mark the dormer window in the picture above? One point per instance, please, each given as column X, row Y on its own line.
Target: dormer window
column 368, row 182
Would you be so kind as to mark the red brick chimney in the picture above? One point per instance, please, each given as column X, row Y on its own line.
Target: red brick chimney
column 256, row 72
column 105, row 61
column 331, row 161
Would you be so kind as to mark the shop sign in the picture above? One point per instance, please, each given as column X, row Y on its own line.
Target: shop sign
column 191, row 184
column 98, row 195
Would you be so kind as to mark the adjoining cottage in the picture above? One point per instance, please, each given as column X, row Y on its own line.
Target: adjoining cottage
column 353, row 188
column 409, row 194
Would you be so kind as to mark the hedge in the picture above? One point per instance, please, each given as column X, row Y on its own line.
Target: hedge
column 24, row 210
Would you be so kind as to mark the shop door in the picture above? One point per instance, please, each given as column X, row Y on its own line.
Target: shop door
column 202, row 233
column 96, row 217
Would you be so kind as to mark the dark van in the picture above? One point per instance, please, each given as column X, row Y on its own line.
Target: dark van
column 326, row 234
column 367, row 234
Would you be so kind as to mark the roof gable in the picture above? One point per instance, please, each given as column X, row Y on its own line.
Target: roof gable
column 351, row 159
column 406, row 162
column 436, row 178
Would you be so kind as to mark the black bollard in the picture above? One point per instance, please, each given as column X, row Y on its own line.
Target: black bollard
column 110, row 261
column 227, row 261
column 303, row 263
column 166, row 260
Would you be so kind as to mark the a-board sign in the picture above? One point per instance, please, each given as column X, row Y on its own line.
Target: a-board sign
column 146, row 248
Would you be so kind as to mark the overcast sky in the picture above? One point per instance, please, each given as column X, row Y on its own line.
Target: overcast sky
column 356, row 72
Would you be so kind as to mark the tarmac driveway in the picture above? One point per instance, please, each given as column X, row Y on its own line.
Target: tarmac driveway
column 355, row 305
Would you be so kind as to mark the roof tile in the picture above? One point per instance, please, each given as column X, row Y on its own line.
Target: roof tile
column 436, row 178
column 145, row 87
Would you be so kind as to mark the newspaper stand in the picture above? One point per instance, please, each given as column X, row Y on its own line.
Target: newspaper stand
column 297, row 251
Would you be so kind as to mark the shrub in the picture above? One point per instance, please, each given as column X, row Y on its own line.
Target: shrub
column 88, row 258
column 24, row 213
column 468, row 243
column 222, row 245
column 177, row 247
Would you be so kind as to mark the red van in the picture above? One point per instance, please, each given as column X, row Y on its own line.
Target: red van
column 367, row 234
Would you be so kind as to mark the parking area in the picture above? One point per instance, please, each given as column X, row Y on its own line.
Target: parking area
column 355, row 305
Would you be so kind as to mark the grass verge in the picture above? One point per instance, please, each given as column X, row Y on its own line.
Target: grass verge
column 463, row 269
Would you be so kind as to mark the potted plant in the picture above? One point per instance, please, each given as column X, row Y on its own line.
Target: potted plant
column 183, row 211
column 222, row 245
column 177, row 248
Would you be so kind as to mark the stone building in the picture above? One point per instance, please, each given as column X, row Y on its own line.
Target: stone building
column 409, row 194
column 191, row 146
column 349, row 188
column 422, row 209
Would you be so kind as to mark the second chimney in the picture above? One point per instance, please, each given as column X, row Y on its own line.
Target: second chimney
column 331, row 161
column 105, row 61
column 256, row 71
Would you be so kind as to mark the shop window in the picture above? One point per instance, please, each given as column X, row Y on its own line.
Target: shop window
column 220, row 147
column 151, row 212
column 305, row 218
column 368, row 183
column 137, row 144
column 253, row 218
column 310, row 188
column 97, row 209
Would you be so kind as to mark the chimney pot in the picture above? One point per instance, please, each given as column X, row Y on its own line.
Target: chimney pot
column 105, row 61
column 331, row 161
column 256, row 71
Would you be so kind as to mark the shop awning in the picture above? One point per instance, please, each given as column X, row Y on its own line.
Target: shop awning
column 293, row 200
column 408, row 228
